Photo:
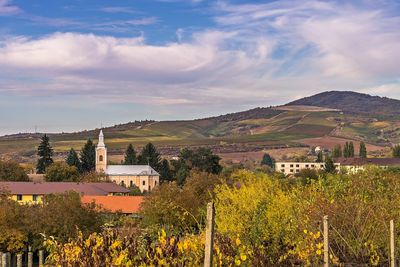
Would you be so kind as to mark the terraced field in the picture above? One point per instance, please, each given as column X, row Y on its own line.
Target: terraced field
column 265, row 127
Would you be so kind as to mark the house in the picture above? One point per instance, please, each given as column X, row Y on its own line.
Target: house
column 357, row 164
column 121, row 204
column 31, row 192
column 142, row 176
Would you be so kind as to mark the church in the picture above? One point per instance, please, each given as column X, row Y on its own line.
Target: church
column 142, row 176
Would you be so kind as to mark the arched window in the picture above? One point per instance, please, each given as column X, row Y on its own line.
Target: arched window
column 101, row 158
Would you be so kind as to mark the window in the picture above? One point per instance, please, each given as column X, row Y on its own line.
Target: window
column 35, row 197
column 306, row 165
column 122, row 183
column 19, row 197
column 131, row 183
column 144, row 183
column 297, row 165
column 291, row 170
column 297, row 170
column 291, row 165
column 283, row 165
column 155, row 183
column 101, row 158
column 322, row 166
column 283, row 170
column 312, row 165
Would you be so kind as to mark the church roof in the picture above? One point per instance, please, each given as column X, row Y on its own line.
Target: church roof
column 137, row 170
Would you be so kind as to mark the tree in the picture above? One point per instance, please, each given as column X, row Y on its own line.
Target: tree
column 348, row 151
column 268, row 160
column 320, row 157
column 149, row 155
column 165, row 171
column 363, row 150
column 93, row 177
column 61, row 172
column 329, row 165
column 337, row 151
column 45, row 153
column 130, row 156
column 11, row 171
column 88, row 156
column 351, row 150
column 396, row 151
column 201, row 159
column 73, row 159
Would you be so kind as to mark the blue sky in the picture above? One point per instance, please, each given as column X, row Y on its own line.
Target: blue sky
column 73, row 65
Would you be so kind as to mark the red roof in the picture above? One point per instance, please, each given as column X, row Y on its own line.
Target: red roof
column 91, row 189
column 124, row 204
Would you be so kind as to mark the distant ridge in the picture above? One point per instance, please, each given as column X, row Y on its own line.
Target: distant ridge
column 352, row 102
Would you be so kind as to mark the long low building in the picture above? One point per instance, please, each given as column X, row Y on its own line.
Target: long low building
column 348, row 164
column 31, row 192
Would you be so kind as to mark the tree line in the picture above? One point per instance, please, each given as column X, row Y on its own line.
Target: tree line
column 83, row 164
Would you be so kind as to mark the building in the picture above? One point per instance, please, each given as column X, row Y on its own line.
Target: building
column 31, row 192
column 357, row 164
column 142, row 176
column 115, row 204
column 291, row 168
column 348, row 164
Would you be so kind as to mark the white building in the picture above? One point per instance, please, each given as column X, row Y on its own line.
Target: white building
column 142, row 176
column 295, row 167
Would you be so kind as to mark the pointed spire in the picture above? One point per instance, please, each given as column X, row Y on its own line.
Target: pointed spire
column 101, row 140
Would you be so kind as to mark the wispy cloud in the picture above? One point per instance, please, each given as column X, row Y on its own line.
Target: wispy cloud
column 118, row 9
column 7, row 8
column 257, row 54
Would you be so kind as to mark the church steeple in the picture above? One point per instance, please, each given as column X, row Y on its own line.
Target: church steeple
column 101, row 140
column 101, row 154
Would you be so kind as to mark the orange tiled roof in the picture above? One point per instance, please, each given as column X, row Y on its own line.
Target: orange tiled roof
column 124, row 204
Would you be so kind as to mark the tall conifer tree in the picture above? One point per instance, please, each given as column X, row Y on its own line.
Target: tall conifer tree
column 45, row 153
column 73, row 159
column 130, row 156
column 88, row 156
column 149, row 155
column 363, row 150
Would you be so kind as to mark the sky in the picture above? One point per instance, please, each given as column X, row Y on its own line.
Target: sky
column 82, row 64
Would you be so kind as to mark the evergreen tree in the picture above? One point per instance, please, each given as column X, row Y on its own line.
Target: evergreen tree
column 88, row 156
column 73, row 159
column 130, row 156
column 165, row 171
column 351, row 150
column 149, row 155
column 363, row 150
column 329, row 165
column 320, row 157
column 346, row 150
column 396, row 151
column 337, row 151
column 268, row 160
column 45, row 153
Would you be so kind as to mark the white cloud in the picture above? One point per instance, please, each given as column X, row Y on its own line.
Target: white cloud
column 6, row 8
column 258, row 54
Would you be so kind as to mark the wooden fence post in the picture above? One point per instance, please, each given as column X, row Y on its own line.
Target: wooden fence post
column 209, row 235
column 4, row 260
column 30, row 259
column 41, row 258
column 19, row 260
column 392, row 245
column 326, row 241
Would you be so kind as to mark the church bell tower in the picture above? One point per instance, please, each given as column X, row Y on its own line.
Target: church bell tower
column 101, row 154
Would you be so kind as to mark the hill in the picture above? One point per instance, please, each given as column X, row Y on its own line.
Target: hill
column 323, row 119
column 352, row 102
